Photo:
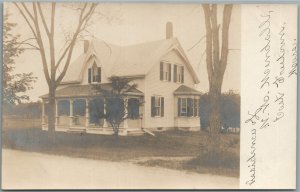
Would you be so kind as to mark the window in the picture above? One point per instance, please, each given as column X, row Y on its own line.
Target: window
column 196, row 107
column 188, row 107
column 63, row 108
column 183, row 107
column 96, row 110
column 94, row 74
column 157, row 106
column 165, row 71
column 79, row 107
column 133, row 108
column 178, row 74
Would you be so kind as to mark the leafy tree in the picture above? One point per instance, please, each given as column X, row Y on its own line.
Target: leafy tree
column 14, row 85
column 116, row 101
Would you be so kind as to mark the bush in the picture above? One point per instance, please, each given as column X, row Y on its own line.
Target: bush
column 229, row 110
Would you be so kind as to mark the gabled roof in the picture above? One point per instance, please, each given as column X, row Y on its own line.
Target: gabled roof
column 87, row 91
column 185, row 90
column 133, row 60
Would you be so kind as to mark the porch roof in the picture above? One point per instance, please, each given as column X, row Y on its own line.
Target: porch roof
column 185, row 90
column 87, row 91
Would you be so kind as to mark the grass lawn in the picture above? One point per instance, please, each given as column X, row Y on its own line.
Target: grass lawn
column 171, row 149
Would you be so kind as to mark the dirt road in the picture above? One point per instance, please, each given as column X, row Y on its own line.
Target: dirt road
column 25, row 170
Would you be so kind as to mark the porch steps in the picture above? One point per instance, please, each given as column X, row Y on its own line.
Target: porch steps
column 135, row 132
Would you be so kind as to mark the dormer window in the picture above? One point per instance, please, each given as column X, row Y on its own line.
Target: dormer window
column 94, row 74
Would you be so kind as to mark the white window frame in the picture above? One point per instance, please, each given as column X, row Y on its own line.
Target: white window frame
column 165, row 71
column 157, row 106
column 181, row 107
column 179, row 73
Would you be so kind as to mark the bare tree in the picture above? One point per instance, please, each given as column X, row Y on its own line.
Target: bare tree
column 216, row 61
column 39, row 25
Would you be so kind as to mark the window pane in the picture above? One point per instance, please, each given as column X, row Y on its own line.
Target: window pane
column 133, row 108
column 63, row 107
column 157, row 111
column 96, row 110
column 157, row 101
column 79, row 107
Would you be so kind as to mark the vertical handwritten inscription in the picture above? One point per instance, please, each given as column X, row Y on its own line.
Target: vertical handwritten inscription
column 268, row 96
column 260, row 117
column 277, row 64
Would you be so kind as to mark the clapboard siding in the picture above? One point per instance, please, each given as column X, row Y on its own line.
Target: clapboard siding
column 154, row 86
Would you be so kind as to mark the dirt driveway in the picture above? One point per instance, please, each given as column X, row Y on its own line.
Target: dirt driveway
column 25, row 170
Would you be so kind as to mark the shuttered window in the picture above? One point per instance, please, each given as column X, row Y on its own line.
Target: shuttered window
column 165, row 71
column 157, row 106
column 183, row 107
column 94, row 74
column 178, row 74
column 90, row 75
column 188, row 107
column 175, row 73
column 182, row 74
column 196, row 107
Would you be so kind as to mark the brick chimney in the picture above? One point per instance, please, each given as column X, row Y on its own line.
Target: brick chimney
column 169, row 30
column 86, row 45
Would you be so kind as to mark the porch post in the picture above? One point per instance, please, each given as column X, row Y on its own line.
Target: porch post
column 56, row 112
column 87, row 115
column 43, row 112
column 71, row 112
column 125, row 123
column 104, row 112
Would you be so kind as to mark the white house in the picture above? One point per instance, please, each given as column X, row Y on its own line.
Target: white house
column 164, row 78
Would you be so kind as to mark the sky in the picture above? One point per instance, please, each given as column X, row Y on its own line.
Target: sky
column 127, row 24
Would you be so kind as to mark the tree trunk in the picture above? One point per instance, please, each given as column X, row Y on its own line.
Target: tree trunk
column 51, row 113
column 214, row 118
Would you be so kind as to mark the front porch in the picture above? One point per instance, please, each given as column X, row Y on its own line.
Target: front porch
column 79, row 109
column 86, row 115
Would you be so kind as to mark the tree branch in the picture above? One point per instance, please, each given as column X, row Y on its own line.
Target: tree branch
column 28, row 12
column 82, row 19
column 215, row 37
column 226, row 21
column 41, row 45
column 207, row 14
column 43, row 19
column 26, row 19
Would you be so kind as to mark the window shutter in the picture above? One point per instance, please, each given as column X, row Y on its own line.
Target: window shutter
column 170, row 67
column 99, row 74
column 179, row 107
column 162, row 106
column 90, row 75
column 198, row 107
column 182, row 74
column 161, row 72
column 175, row 73
column 189, row 107
column 152, row 106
